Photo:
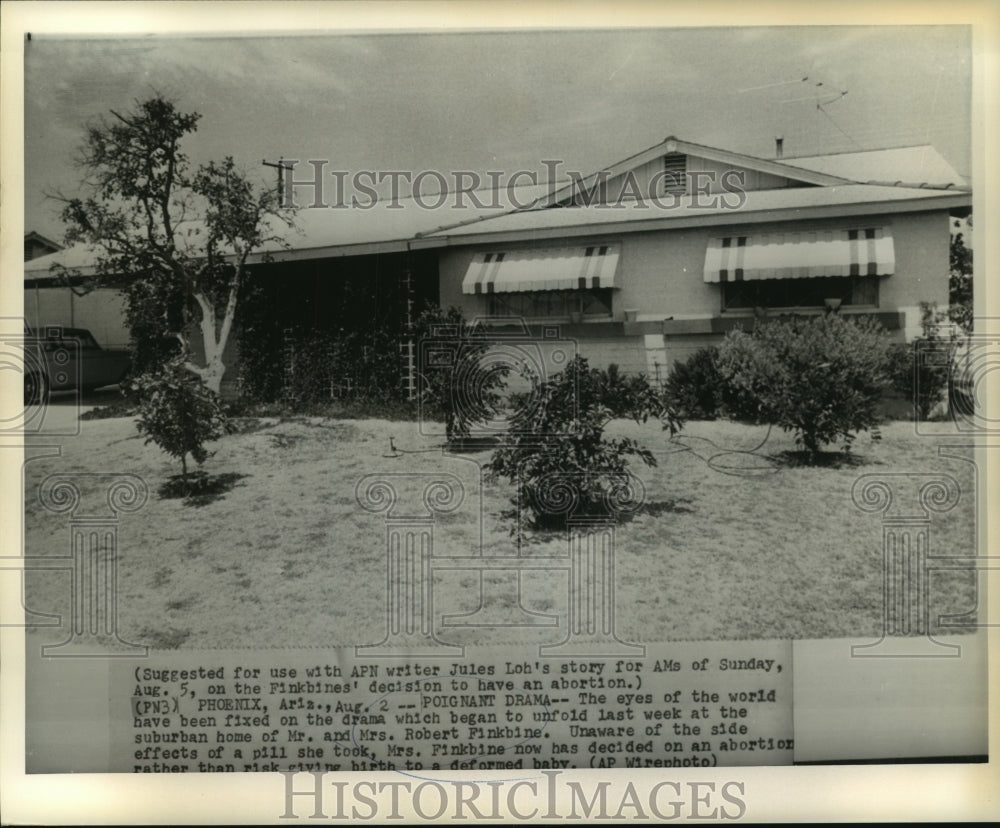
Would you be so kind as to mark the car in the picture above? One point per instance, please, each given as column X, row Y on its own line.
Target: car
column 63, row 359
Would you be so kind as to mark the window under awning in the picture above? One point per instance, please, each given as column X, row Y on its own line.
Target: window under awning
column 562, row 268
column 860, row 252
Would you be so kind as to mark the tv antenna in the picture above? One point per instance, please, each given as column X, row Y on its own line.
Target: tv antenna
column 823, row 95
column 821, row 90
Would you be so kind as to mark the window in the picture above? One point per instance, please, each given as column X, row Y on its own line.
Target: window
column 541, row 304
column 800, row 293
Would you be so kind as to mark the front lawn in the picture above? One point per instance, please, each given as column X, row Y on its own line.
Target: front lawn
column 276, row 551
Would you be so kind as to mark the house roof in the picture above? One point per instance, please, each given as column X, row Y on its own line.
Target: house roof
column 32, row 236
column 916, row 166
column 760, row 206
column 672, row 144
column 846, row 184
column 386, row 227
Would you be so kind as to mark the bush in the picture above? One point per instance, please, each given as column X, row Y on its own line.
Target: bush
column 698, row 390
column 452, row 382
column 821, row 377
column 351, row 353
column 309, row 367
column 623, row 395
column 555, row 451
column 694, row 386
column 178, row 412
column 924, row 382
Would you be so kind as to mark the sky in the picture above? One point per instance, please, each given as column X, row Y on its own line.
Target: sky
column 503, row 101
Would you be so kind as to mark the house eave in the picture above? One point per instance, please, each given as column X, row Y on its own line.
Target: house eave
column 723, row 217
column 954, row 201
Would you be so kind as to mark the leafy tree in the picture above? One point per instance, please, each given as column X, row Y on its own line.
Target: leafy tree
column 178, row 412
column 821, row 377
column 177, row 239
column 556, row 440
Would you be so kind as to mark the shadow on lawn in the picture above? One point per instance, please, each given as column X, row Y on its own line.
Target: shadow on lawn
column 536, row 532
column 823, row 460
column 663, row 507
column 200, row 488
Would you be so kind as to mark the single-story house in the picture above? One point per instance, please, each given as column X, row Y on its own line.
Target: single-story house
column 35, row 245
column 644, row 261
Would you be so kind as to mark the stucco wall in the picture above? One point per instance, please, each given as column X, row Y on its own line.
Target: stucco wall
column 661, row 272
column 922, row 243
column 660, row 275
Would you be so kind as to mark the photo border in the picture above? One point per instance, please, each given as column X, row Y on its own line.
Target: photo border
column 903, row 792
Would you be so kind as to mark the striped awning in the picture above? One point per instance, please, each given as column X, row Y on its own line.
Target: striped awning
column 561, row 268
column 861, row 252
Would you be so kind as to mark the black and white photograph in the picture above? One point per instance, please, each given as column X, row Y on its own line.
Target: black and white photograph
column 446, row 418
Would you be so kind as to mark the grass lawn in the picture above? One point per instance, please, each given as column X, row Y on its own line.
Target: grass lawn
column 283, row 555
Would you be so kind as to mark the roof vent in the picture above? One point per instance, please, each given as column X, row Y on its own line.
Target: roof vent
column 675, row 173
column 779, row 147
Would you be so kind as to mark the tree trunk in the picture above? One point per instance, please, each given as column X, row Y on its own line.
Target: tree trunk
column 212, row 375
column 214, row 339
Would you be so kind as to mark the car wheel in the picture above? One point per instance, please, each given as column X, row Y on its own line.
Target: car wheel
column 36, row 389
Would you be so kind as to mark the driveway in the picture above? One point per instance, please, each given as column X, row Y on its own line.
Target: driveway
column 61, row 417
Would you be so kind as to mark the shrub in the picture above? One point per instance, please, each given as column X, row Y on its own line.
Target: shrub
column 821, row 377
column 556, row 453
column 623, row 395
column 350, row 353
column 455, row 384
column 178, row 412
column 698, row 390
column 924, row 382
column 694, row 386
column 307, row 367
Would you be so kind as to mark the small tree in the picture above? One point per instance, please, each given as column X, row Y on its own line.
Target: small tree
column 178, row 412
column 455, row 382
column 179, row 240
column 821, row 377
column 557, row 436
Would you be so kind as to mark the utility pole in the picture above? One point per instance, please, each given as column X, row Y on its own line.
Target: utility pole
column 281, row 166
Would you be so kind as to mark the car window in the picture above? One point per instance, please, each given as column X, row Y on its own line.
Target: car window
column 84, row 338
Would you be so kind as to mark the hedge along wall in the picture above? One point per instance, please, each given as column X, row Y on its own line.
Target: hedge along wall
column 328, row 327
